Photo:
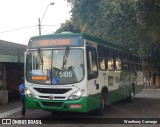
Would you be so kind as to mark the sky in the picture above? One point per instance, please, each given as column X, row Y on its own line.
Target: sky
column 18, row 14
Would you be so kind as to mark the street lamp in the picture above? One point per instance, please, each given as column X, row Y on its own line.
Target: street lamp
column 40, row 21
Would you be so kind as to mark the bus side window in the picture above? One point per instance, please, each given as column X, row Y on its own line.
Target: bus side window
column 101, row 57
column 131, row 64
column 118, row 62
column 118, row 65
column 92, row 62
column 125, row 63
column 110, row 59
column 110, row 64
column 135, row 63
column 102, row 65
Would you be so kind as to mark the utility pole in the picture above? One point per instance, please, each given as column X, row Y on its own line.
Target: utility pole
column 40, row 20
column 39, row 26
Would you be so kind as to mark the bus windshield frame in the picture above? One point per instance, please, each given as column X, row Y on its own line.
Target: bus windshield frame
column 55, row 66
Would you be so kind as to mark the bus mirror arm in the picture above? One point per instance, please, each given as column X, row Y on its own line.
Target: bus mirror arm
column 90, row 75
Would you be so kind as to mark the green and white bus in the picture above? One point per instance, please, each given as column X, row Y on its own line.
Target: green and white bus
column 78, row 73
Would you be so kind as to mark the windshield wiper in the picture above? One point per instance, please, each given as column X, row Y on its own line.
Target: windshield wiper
column 65, row 57
column 40, row 56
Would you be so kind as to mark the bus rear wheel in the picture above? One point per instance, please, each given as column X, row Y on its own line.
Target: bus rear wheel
column 132, row 94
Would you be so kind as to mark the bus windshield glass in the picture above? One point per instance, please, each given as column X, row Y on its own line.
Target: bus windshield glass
column 55, row 67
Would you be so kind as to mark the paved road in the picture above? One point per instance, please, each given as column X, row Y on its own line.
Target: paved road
column 146, row 105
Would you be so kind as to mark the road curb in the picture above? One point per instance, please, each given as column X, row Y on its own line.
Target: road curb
column 152, row 89
column 8, row 113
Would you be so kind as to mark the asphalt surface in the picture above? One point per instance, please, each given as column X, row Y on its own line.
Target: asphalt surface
column 146, row 105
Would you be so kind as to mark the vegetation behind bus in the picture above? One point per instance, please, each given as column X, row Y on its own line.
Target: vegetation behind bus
column 131, row 23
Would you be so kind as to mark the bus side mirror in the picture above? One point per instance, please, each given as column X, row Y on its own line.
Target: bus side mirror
column 92, row 75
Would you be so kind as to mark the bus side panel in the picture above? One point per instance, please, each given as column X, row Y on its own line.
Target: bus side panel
column 117, row 95
column 93, row 102
column 113, row 96
column 138, row 89
column 118, row 88
column 31, row 103
column 122, row 90
column 140, row 82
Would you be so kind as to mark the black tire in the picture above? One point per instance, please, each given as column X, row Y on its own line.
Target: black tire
column 99, row 111
column 53, row 113
column 132, row 94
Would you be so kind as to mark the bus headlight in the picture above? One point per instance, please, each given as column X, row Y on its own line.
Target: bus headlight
column 29, row 93
column 78, row 94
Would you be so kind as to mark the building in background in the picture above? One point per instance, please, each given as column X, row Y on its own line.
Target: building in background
column 11, row 69
column 151, row 76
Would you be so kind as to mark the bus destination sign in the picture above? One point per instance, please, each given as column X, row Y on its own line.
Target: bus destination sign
column 55, row 42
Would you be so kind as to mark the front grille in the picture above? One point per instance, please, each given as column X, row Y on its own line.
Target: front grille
column 55, row 97
column 44, row 96
column 52, row 91
column 52, row 104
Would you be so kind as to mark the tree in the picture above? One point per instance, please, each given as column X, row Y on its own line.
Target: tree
column 130, row 23
column 110, row 20
column 68, row 26
column 149, row 15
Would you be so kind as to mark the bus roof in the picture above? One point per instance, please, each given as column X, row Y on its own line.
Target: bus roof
column 87, row 37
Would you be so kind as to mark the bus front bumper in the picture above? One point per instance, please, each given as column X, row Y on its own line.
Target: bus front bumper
column 79, row 105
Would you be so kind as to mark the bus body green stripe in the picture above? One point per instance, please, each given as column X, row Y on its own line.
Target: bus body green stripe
column 122, row 93
column 93, row 102
column 139, row 88
column 87, row 103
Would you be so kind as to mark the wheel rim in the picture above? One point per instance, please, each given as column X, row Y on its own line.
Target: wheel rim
column 132, row 95
column 103, row 101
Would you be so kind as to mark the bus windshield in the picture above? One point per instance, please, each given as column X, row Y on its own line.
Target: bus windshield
column 55, row 67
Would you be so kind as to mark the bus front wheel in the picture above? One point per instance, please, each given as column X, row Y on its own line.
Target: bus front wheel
column 103, row 102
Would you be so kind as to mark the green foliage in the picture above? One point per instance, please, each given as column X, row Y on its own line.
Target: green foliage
column 68, row 26
column 110, row 20
column 133, row 24
column 154, row 57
